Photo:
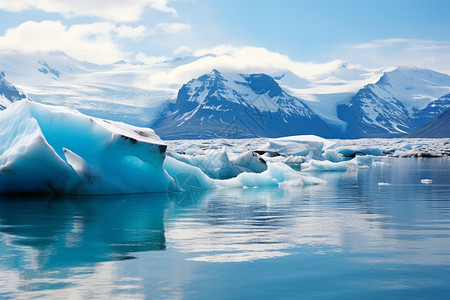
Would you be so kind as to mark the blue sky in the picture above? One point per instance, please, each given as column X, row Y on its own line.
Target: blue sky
column 371, row 33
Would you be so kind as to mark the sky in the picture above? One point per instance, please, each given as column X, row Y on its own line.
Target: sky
column 371, row 33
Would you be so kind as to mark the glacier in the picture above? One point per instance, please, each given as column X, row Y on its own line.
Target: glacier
column 54, row 149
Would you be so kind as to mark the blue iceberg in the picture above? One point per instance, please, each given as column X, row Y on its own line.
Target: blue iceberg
column 59, row 150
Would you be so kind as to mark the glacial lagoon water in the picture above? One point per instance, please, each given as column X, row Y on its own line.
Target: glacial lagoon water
column 352, row 238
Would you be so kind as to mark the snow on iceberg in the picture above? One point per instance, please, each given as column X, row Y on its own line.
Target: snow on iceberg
column 299, row 145
column 333, row 155
column 251, row 161
column 55, row 149
column 324, row 166
column 215, row 163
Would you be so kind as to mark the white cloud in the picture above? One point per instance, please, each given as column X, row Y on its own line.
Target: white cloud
column 408, row 44
column 115, row 10
column 399, row 51
column 131, row 32
column 149, row 60
column 243, row 60
column 183, row 50
column 171, row 28
column 94, row 42
column 379, row 43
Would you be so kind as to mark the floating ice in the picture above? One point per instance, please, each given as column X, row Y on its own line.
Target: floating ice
column 333, row 155
column 407, row 147
column 215, row 163
column 300, row 145
column 251, row 161
column 186, row 176
column 55, row 149
column 359, row 150
column 277, row 174
column 323, row 165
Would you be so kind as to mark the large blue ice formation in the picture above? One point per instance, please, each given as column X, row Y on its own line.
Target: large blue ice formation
column 59, row 150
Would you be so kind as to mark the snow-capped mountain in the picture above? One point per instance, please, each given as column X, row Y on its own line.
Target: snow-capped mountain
column 235, row 106
column 118, row 91
column 352, row 101
column 432, row 111
column 438, row 128
column 399, row 103
column 8, row 92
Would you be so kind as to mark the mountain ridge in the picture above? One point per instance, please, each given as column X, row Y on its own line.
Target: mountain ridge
column 8, row 92
column 386, row 108
column 239, row 105
column 386, row 102
column 394, row 105
column 438, row 128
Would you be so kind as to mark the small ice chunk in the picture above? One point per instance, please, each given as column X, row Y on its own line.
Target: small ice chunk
column 215, row 163
column 333, row 155
column 322, row 166
column 277, row 174
column 300, row 145
column 251, row 161
column 187, row 177
column 359, row 150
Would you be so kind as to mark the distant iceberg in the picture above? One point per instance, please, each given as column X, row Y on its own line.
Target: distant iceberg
column 299, row 145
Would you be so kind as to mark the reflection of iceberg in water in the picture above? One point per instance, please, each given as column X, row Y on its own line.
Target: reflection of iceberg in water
column 233, row 225
column 59, row 238
column 351, row 214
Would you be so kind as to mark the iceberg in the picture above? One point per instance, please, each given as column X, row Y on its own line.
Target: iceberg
column 354, row 151
column 324, row 166
column 53, row 149
column 186, row 176
column 299, row 145
column 251, row 161
column 277, row 174
column 333, row 155
column 215, row 163
column 59, row 150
